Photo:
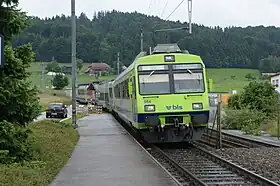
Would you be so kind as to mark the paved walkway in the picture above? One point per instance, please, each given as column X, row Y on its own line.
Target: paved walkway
column 106, row 155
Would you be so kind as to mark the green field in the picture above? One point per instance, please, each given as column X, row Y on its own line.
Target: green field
column 35, row 77
column 228, row 79
column 224, row 79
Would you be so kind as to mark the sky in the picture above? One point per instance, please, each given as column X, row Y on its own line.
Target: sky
column 207, row 12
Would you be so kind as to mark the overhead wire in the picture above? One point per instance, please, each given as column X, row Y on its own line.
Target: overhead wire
column 175, row 9
column 149, row 9
column 163, row 11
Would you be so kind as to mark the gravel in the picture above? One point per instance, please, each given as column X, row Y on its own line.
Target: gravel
column 264, row 161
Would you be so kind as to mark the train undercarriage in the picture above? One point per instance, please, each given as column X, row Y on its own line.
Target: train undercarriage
column 172, row 133
column 175, row 133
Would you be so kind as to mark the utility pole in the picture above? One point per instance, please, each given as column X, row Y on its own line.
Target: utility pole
column 118, row 63
column 74, row 66
column 190, row 15
column 42, row 76
column 142, row 41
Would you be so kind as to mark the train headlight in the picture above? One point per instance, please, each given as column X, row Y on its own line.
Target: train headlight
column 149, row 108
column 197, row 106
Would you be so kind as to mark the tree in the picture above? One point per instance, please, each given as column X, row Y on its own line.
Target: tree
column 79, row 64
column 233, row 47
column 60, row 81
column 53, row 67
column 19, row 100
column 270, row 64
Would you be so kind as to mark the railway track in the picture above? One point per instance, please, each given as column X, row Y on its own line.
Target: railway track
column 211, row 138
column 195, row 166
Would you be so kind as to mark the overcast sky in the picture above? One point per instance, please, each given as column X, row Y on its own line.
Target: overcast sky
column 207, row 12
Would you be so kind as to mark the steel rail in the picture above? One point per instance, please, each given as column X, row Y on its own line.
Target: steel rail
column 236, row 168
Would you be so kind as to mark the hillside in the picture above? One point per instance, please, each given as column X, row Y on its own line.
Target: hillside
column 100, row 38
column 224, row 79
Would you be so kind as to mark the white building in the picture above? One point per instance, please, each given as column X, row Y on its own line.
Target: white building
column 275, row 80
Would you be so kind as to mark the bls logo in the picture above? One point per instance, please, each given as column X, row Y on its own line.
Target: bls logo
column 174, row 107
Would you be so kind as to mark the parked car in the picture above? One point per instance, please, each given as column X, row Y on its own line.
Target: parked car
column 56, row 110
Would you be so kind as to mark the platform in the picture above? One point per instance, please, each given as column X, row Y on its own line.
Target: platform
column 106, row 155
column 265, row 137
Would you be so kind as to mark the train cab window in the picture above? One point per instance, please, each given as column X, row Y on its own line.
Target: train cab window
column 154, row 84
column 186, row 82
column 188, row 78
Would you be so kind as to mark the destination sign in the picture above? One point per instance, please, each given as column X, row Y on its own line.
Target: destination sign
column 152, row 67
column 187, row 66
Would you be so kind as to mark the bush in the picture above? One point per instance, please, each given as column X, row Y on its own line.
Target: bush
column 246, row 120
column 55, row 144
column 249, row 77
column 234, row 101
column 60, row 81
column 259, row 96
column 14, row 143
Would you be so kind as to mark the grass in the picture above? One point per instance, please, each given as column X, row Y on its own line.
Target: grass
column 68, row 122
column 55, row 144
column 271, row 128
column 228, row 79
column 35, row 76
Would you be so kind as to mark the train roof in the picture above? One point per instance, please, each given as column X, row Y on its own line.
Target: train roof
column 168, row 48
column 159, row 50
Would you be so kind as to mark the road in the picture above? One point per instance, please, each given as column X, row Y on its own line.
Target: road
column 43, row 116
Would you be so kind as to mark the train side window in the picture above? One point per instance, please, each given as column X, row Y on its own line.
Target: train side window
column 127, row 91
column 134, row 86
column 121, row 90
column 110, row 92
column 117, row 92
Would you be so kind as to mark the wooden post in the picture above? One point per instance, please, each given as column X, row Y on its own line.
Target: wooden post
column 278, row 121
column 219, row 120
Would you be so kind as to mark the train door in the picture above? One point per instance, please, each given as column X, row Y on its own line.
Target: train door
column 110, row 97
column 132, row 95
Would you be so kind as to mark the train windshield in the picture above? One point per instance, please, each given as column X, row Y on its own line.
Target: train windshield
column 171, row 79
column 154, row 83
column 189, row 82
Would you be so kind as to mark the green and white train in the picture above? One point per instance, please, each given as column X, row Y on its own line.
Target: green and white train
column 163, row 95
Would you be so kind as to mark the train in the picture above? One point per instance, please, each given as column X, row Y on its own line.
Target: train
column 85, row 93
column 162, row 95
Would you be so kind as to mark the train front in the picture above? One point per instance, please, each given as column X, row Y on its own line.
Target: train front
column 173, row 103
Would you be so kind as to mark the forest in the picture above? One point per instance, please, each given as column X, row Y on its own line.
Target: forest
column 101, row 37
